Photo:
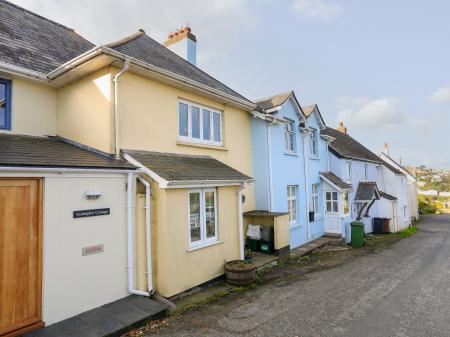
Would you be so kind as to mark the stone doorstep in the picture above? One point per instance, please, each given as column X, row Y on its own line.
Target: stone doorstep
column 110, row 320
column 315, row 244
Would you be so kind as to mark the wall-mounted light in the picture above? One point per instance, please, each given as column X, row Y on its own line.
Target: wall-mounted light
column 92, row 195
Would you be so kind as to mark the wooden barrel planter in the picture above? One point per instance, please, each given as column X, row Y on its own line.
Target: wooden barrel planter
column 240, row 273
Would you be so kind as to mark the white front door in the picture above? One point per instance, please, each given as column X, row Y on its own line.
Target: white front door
column 332, row 219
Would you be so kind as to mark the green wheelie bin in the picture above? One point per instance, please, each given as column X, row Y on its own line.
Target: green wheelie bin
column 357, row 234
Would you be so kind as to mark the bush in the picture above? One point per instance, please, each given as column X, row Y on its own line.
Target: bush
column 427, row 208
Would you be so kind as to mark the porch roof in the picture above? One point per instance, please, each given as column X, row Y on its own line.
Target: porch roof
column 53, row 152
column 171, row 169
column 367, row 191
column 387, row 196
column 335, row 181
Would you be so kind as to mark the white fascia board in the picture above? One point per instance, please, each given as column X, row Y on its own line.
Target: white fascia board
column 335, row 186
column 59, row 170
column 203, row 183
column 161, row 181
column 23, row 72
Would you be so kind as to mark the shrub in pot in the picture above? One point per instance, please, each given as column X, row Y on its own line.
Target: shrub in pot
column 240, row 272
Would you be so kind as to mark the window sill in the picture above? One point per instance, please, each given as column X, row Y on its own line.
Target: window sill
column 313, row 157
column 202, row 145
column 295, row 226
column 194, row 248
column 293, row 154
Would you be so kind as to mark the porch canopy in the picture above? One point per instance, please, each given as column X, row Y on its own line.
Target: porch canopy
column 172, row 170
column 336, row 182
column 366, row 194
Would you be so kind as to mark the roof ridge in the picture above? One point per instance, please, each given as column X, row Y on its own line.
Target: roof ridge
column 126, row 39
column 141, row 32
column 37, row 15
column 290, row 92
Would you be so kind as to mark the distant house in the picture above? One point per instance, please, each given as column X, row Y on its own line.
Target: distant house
column 361, row 168
column 412, row 185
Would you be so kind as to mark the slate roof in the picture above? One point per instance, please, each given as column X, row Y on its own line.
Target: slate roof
column 178, row 167
column 367, row 191
column 31, row 41
column 387, row 196
column 336, row 180
column 392, row 168
column 145, row 49
column 273, row 101
column 345, row 146
column 395, row 169
column 29, row 151
column 308, row 109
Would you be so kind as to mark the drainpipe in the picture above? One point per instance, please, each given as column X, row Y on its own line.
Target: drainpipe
column 269, row 160
column 130, row 246
column 148, row 234
column 241, row 223
column 305, row 165
column 116, row 107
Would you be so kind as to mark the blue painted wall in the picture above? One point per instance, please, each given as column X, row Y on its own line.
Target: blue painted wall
column 288, row 169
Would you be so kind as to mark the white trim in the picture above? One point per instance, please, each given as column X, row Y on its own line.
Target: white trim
column 332, row 200
column 194, row 248
column 21, row 71
column 315, row 195
column 161, row 181
column 189, row 139
column 291, row 198
column 204, row 241
column 269, row 155
column 14, row 169
column 334, row 185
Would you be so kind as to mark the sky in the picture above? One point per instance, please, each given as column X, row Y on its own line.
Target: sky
column 381, row 67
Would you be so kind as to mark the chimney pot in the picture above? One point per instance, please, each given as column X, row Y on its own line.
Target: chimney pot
column 183, row 43
column 342, row 128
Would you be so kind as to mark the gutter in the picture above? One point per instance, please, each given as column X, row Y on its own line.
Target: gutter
column 241, row 223
column 63, row 170
column 17, row 70
column 305, row 166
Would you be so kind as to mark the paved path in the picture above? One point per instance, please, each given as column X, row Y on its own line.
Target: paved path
column 403, row 290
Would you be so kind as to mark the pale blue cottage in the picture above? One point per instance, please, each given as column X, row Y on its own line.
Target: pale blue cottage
column 289, row 152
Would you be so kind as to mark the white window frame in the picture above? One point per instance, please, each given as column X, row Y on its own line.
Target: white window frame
column 345, row 193
column 201, row 140
column 348, row 168
column 332, row 200
column 366, row 172
column 290, row 198
column 314, row 144
column 287, row 134
column 315, row 198
column 204, row 241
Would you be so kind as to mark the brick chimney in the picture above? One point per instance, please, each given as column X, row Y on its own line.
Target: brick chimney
column 342, row 128
column 183, row 43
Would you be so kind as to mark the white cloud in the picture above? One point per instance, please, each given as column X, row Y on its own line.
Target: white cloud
column 427, row 122
column 216, row 23
column 318, row 9
column 364, row 112
column 440, row 95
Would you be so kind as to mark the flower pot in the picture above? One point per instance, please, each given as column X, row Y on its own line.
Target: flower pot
column 240, row 272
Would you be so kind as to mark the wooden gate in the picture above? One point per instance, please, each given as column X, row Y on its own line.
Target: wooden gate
column 20, row 255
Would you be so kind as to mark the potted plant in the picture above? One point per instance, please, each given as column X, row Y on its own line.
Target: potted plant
column 248, row 255
column 240, row 272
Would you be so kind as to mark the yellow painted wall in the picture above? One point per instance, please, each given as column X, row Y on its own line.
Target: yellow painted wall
column 149, row 121
column 175, row 268
column 85, row 111
column 33, row 108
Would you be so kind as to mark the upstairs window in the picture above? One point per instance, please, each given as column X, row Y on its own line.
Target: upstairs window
column 313, row 143
column 5, row 104
column 198, row 124
column 348, row 172
column 289, row 136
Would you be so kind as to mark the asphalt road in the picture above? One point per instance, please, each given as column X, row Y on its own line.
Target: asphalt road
column 403, row 290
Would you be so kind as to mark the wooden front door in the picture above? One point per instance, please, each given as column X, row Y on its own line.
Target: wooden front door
column 20, row 255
